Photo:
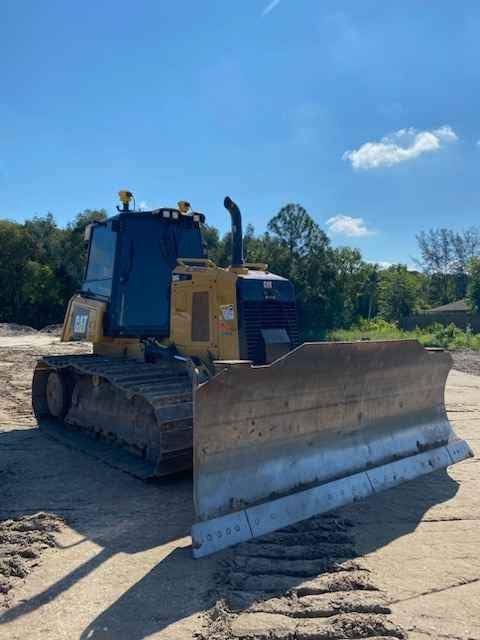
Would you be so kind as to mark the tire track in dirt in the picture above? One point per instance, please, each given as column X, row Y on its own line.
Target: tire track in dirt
column 302, row 583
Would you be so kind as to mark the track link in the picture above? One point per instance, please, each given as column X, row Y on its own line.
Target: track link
column 144, row 407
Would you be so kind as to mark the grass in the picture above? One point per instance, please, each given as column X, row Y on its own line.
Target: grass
column 449, row 337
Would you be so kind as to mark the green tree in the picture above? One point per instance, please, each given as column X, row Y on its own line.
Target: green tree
column 445, row 256
column 297, row 231
column 474, row 284
column 45, row 238
column 356, row 283
column 72, row 249
column 398, row 293
column 297, row 248
column 43, row 301
column 41, row 266
column 16, row 247
column 211, row 243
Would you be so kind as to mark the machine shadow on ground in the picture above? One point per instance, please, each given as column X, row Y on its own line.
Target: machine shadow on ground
column 436, row 488
column 120, row 514
column 125, row 516
column 395, row 513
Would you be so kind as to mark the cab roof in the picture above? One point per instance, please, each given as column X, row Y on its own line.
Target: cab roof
column 165, row 213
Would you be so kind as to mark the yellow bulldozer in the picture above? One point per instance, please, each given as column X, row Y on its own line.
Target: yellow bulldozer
column 197, row 365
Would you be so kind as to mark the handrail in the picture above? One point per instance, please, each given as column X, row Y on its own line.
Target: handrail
column 261, row 266
column 186, row 262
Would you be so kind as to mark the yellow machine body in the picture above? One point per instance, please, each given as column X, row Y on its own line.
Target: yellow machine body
column 203, row 315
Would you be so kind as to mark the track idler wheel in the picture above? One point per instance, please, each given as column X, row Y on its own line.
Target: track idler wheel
column 57, row 394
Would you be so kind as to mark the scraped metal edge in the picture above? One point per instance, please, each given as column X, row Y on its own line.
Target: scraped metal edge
column 219, row 533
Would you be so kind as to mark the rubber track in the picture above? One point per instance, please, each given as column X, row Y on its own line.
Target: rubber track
column 166, row 386
column 297, row 584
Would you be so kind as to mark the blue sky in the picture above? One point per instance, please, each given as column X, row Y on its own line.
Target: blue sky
column 364, row 112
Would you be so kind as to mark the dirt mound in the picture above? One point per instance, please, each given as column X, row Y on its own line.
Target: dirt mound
column 22, row 541
column 53, row 329
column 13, row 329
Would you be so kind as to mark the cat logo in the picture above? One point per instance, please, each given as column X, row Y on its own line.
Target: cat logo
column 80, row 324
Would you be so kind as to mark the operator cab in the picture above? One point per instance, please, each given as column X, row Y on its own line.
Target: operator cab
column 131, row 257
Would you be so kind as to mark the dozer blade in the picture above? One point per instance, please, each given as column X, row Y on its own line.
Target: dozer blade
column 324, row 426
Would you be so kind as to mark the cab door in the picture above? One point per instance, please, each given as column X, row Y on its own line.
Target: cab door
column 142, row 300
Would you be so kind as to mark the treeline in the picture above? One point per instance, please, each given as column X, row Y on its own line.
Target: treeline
column 337, row 288
column 41, row 266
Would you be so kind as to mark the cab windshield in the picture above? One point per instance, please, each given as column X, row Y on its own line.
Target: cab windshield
column 99, row 273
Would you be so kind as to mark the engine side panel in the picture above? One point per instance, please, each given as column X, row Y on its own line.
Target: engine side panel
column 204, row 318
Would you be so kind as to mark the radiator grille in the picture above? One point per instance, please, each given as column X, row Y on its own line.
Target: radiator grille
column 265, row 314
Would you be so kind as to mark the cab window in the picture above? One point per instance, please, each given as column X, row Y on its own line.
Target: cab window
column 98, row 278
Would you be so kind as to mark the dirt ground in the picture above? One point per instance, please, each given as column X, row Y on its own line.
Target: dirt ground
column 22, row 541
column 467, row 361
column 91, row 552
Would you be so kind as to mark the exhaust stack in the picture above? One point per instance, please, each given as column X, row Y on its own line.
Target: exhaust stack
column 237, row 234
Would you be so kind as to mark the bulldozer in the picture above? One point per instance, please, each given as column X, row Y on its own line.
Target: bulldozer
column 195, row 365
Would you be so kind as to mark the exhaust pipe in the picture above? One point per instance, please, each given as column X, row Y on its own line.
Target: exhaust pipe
column 237, row 234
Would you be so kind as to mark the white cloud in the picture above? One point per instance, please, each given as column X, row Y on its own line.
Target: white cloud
column 399, row 146
column 270, row 7
column 143, row 206
column 348, row 226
